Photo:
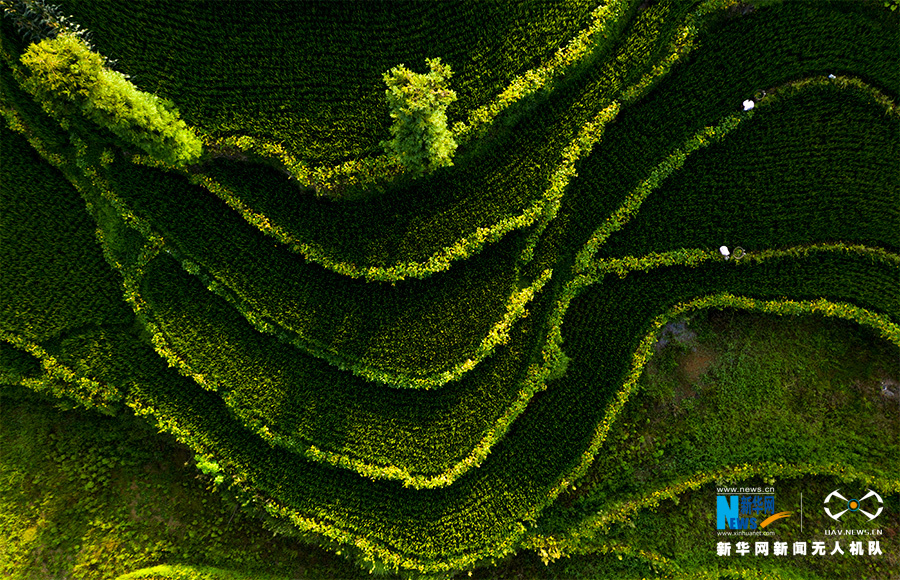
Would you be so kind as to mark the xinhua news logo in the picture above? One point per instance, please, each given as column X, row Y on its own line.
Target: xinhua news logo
column 741, row 512
column 837, row 501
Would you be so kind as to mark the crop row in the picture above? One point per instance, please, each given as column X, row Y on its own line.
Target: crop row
column 484, row 513
column 229, row 181
column 491, row 337
column 590, row 45
column 515, row 305
column 28, row 364
column 311, row 74
column 420, row 227
column 464, row 403
column 292, row 399
column 542, row 442
column 758, row 188
column 622, row 303
column 718, row 75
column 56, row 283
column 106, row 353
column 679, row 225
column 415, row 333
column 208, row 428
column 312, row 408
column 265, row 205
column 685, row 454
column 53, row 276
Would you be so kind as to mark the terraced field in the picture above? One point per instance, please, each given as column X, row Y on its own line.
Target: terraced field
column 427, row 376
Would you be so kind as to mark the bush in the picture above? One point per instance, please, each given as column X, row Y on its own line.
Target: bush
column 421, row 140
column 63, row 73
column 143, row 119
column 67, row 77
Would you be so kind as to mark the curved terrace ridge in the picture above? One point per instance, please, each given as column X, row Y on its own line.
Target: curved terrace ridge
column 537, row 213
column 422, row 375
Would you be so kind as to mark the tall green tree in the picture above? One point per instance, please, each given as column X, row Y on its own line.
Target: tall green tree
column 420, row 140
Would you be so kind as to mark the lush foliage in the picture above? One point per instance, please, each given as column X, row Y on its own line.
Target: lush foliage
column 422, row 375
column 66, row 77
column 420, row 140
column 511, row 181
column 309, row 77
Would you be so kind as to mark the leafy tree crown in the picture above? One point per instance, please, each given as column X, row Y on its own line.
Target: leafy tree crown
column 420, row 140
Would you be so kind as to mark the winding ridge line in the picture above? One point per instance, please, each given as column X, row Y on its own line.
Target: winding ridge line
column 409, row 539
column 607, row 22
column 497, row 334
column 535, row 383
column 129, row 270
column 632, row 203
column 540, row 212
column 380, row 551
column 537, row 378
column 163, row 346
column 89, row 393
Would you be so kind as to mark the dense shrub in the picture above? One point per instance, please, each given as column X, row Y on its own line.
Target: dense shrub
column 64, row 73
column 66, row 77
column 244, row 322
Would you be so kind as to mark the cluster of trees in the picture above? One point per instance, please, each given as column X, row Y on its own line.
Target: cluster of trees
column 68, row 78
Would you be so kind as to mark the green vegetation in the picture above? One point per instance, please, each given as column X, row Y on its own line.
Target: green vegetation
column 155, row 507
column 420, row 138
column 425, row 377
column 421, row 227
column 315, row 81
column 53, row 277
column 66, row 77
column 703, row 402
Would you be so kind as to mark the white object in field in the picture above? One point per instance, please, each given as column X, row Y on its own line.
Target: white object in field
column 724, row 251
column 831, row 76
column 749, row 104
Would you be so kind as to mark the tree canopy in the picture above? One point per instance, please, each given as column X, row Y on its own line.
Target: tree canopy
column 67, row 77
column 421, row 140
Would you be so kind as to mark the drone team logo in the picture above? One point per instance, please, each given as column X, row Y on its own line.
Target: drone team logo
column 852, row 505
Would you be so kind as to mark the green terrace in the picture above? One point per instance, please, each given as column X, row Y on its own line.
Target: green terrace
column 451, row 371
